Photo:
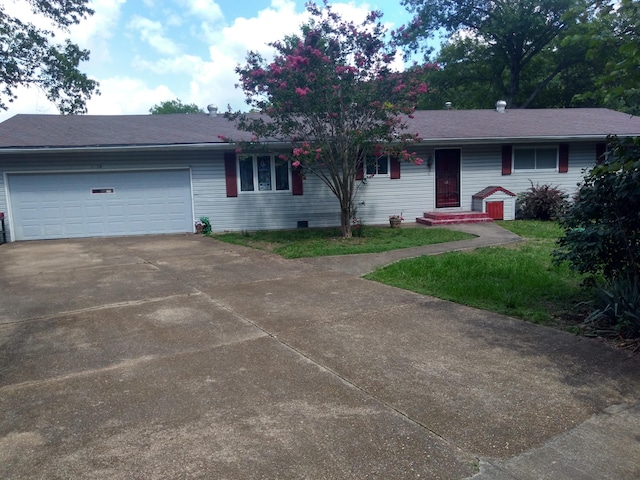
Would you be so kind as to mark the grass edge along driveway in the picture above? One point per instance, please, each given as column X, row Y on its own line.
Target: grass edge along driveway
column 518, row 280
column 319, row 242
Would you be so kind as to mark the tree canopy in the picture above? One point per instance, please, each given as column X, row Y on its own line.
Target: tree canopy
column 331, row 94
column 614, row 42
column 28, row 56
column 508, row 49
column 174, row 106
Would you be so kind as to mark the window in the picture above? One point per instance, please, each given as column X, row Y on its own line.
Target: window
column 535, row 158
column 263, row 173
column 377, row 166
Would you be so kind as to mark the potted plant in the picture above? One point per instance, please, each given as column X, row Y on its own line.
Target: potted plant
column 395, row 220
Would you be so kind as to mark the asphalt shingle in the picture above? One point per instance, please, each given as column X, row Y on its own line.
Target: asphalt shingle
column 464, row 126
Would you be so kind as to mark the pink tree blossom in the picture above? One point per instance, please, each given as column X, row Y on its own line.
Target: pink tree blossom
column 331, row 93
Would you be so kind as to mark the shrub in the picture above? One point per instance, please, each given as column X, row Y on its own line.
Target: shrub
column 616, row 310
column 602, row 227
column 357, row 227
column 542, row 202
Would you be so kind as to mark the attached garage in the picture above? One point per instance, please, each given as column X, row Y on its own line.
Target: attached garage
column 98, row 204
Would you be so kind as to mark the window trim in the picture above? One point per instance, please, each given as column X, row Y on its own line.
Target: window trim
column 535, row 148
column 380, row 175
column 256, row 184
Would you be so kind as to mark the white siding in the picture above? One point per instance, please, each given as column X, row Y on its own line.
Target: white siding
column 482, row 167
column 411, row 195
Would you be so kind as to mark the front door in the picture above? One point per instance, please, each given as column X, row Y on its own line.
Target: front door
column 447, row 178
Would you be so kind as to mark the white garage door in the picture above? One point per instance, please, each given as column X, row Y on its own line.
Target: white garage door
column 74, row 205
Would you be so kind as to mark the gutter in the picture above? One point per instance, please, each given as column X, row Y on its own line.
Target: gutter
column 229, row 146
column 111, row 148
column 504, row 140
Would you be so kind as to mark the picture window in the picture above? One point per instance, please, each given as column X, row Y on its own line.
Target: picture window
column 263, row 173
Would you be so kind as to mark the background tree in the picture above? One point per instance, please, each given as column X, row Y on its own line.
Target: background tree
column 509, row 49
column 331, row 94
column 615, row 37
column 29, row 58
column 174, row 106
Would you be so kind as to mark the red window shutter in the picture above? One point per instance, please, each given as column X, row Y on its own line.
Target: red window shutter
column 360, row 172
column 394, row 168
column 601, row 148
column 563, row 158
column 230, row 174
column 506, row 159
column 296, row 181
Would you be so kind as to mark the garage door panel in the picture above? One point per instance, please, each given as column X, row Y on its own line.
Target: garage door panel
column 72, row 212
column 115, row 211
column 74, row 229
column 51, row 229
column 63, row 205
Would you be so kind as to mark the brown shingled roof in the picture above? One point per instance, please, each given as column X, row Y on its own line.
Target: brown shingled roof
column 24, row 131
column 46, row 131
column 524, row 124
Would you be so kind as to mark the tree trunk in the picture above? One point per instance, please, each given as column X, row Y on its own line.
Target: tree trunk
column 345, row 221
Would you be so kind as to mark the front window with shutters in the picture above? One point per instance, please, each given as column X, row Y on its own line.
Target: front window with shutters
column 535, row 158
column 263, row 173
column 377, row 166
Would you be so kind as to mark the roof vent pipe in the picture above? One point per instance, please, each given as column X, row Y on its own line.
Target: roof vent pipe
column 447, row 105
column 213, row 110
column 501, row 105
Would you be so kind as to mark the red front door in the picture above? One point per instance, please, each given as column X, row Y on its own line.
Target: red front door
column 447, row 178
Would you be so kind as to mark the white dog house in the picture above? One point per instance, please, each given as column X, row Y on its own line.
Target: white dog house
column 497, row 202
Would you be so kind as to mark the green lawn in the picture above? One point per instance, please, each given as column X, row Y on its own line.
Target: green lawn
column 328, row 241
column 519, row 280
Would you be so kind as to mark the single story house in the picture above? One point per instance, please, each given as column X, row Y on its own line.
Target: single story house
column 86, row 176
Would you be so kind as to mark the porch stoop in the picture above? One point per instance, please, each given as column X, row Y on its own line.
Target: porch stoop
column 448, row 218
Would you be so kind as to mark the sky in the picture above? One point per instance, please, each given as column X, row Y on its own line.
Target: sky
column 144, row 52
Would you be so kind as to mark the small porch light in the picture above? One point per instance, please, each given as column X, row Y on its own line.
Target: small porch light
column 429, row 161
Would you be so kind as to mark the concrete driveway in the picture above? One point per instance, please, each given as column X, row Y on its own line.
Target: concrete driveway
column 182, row 357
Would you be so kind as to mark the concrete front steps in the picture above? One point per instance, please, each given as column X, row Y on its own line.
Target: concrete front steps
column 448, row 218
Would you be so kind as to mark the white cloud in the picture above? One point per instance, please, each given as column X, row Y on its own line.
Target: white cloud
column 95, row 32
column 214, row 81
column 206, row 9
column 30, row 100
column 270, row 24
column 126, row 95
column 152, row 33
column 180, row 73
column 183, row 64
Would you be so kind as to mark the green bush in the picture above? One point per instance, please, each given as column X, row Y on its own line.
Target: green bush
column 616, row 310
column 602, row 227
column 542, row 202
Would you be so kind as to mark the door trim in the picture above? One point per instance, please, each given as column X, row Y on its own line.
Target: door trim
column 450, row 198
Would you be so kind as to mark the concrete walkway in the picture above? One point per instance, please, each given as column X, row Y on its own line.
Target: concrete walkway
column 487, row 235
column 183, row 357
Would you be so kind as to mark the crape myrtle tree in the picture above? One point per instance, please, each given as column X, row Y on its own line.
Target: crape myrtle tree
column 331, row 94
column 28, row 56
